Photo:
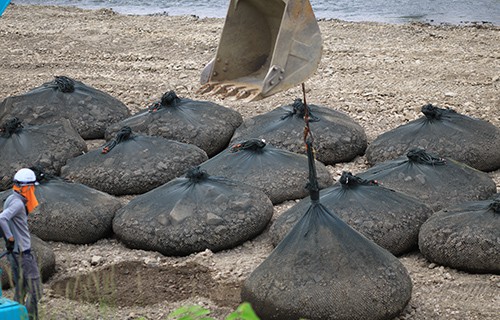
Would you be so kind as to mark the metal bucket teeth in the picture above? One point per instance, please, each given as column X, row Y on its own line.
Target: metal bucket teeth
column 247, row 95
column 232, row 91
column 207, row 87
column 220, row 89
column 229, row 90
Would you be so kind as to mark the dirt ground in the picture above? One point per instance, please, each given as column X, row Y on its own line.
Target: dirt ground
column 379, row 74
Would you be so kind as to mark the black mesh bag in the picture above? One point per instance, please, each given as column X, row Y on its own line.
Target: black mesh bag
column 339, row 138
column 437, row 182
column 205, row 124
column 133, row 163
column 389, row 218
column 71, row 212
column 464, row 237
column 323, row 269
column 281, row 174
column 193, row 213
column 48, row 146
column 444, row 132
column 88, row 109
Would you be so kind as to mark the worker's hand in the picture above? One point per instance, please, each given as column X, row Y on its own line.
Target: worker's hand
column 9, row 244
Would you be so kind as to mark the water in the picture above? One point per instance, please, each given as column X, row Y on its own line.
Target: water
column 388, row 11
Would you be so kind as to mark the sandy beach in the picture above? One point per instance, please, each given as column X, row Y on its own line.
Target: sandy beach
column 379, row 74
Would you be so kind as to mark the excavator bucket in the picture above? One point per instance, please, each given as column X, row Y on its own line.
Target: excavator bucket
column 266, row 46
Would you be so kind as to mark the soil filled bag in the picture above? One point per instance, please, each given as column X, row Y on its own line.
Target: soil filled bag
column 46, row 145
column 205, row 124
column 338, row 138
column 193, row 213
column 444, row 132
column 133, row 163
column 323, row 269
column 437, row 182
column 389, row 218
column 464, row 237
column 70, row 212
column 88, row 109
column 281, row 174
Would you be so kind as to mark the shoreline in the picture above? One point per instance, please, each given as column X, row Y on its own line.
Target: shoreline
column 396, row 20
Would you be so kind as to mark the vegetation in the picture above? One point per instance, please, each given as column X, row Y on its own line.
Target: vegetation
column 243, row 312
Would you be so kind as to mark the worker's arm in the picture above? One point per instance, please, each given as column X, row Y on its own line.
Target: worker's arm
column 6, row 215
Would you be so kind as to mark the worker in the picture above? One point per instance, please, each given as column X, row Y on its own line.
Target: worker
column 14, row 224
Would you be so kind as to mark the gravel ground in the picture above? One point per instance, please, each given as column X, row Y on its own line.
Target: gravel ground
column 379, row 74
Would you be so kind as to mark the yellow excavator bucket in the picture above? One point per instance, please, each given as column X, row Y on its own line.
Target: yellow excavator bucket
column 266, row 46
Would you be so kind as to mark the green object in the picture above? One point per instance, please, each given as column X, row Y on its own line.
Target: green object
column 189, row 313
column 243, row 312
column 194, row 312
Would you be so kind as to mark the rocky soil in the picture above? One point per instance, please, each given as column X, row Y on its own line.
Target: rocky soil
column 379, row 74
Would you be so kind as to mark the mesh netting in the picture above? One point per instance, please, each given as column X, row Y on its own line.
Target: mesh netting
column 205, row 124
column 88, row 109
column 71, row 212
column 133, row 163
column 389, row 218
column 437, row 182
column 465, row 237
column 193, row 213
column 323, row 269
column 281, row 174
column 48, row 146
column 445, row 132
column 338, row 138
